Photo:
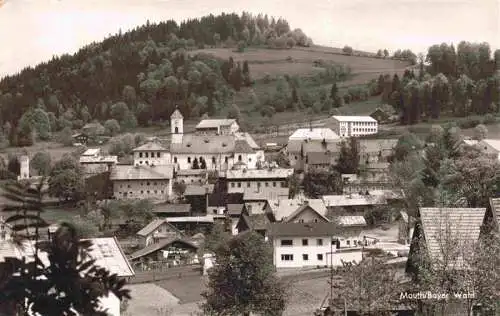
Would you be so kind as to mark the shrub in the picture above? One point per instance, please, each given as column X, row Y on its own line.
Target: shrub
column 468, row 123
column 489, row 119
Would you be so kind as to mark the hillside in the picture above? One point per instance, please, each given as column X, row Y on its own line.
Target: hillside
column 228, row 65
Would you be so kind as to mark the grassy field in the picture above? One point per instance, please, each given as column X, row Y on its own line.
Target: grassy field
column 300, row 61
column 56, row 150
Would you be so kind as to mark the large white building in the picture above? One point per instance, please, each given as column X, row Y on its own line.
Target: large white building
column 314, row 134
column 266, row 183
column 218, row 152
column 142, row 181
column 297, row 245
column 151, row 153
column 217, row 127
column 354, row 126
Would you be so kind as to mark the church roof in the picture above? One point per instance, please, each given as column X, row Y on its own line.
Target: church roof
column 176, row 115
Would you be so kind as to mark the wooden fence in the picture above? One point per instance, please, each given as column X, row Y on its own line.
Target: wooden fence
column 159, row 271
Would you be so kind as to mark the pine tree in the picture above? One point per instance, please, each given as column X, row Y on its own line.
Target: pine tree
column 247, row 81
column 334, row 91
column 237, row 77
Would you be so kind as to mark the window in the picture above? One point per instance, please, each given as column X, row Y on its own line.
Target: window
column 140, row 155
column 319, row 242
column 286, row 257
column 305, row 257
column 248, row 184
column 213, row 161
column 232, row 184
column 156, row 191
column 283, row 184
column 301, row 220
column 175, row 159
column 225, row 159
column 287, row 242
column 154, row 183
column 147, row 191
column 274, row 184
column 146, row 155
column 189, row 159
column 258, row 184
column 147, row 183
column 239, row 184
column 295, row 157
column 158, row 155
column 348, row 242
column 267, row 184
column 239, row 158
column 128, row 186
column 315, row 220
column 305, row 242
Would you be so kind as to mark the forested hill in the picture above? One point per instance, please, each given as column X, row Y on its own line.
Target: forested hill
column 138, row 77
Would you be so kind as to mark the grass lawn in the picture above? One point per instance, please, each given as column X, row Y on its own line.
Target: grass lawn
column 55, row 215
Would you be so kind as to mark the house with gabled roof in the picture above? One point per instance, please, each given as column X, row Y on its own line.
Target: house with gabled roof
column 156, row 230
column 217, row 127
column 151, row 153
column 258, row 223
column 297, row 245
column 296, row 210
column 445, row 236
column 169, row 250
column 142, row 181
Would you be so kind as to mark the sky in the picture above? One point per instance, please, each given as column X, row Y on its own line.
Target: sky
column 32, row 31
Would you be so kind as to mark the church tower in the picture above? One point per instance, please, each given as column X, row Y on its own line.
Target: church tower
column 176, row 126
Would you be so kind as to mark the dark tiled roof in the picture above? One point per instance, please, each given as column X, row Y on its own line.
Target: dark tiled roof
column 160, row 245
column 204, row 144
column 242, row 146
column 301, row 209
column 172, row 208
column 235, row 209
column 152, row 226
column 222, row 198
column 257, row 221
column 150, row 146
column 294, row 146
column 130, row 172
column 193, row 189
column 318, row 229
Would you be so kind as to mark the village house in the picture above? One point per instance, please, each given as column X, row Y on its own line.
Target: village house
column 212, row 152
column 80, row 139
column 297, row 210
column 438, row 229
column 151, row 153
column 217, row 127
column 321, row 153
column 297, row 245
column 234, row 212
column 384, row 114
column 354, row 126
column 265, row 183
column 197, row 176
column 92, row 162
column 352, row 203
column 376, row 150
column 94, row 129
column 258, row 223
column 142, row 182
column 155, row 231
column 197, row 196
column 172, row 210
column 190, row 225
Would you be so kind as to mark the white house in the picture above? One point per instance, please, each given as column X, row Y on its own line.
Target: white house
column 213, row 152
column 93, row 162
column 347, row 126
column 156, row 230
column 297, row 210
column 266, row 183
column 151, row 153
column 142, row 181
column 217, row 127
column 297, row 245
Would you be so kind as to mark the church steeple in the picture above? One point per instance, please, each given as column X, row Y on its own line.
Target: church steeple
column 176, row 125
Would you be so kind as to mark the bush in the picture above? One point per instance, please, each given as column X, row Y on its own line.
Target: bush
column 489, row 119
column 267, row 78
column 468, row 123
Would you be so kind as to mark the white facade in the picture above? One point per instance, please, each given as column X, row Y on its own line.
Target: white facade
column 142, row 189
column 354, row 126
column 157, row 158
column 268, row 183
column 24, row 173
column 217, row 161
column 314, row 134
column 217, row 126
column 314, row 251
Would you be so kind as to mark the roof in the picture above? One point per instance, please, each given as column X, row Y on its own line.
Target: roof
column 404, row 216
column 99, row 159
column 348, row 118
column 204, row 144
column 266, row 173
column 440, row 225
column 191, row 172
column 283, row 208
column 376, row 145
column 265, row 195
column 242, row 146
column 172, row 208
column 493, row 143
column 150, row 146
column 191, row 219
column 176, row 114
column 162, row 243
column 248, row 138
column 295, row 146
column 106, row 252
column 314, row 134
column 353, row 200
column 352, row 220
column 214, row 123
column 470, row 142
column 221, row 198
column 195, row 189
column 302, row 208
column 152, row 226
column 319, row 229
column 495, row 207
column 235, row 209
column 141, row 172
column 92, row 152
column 257, row 221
